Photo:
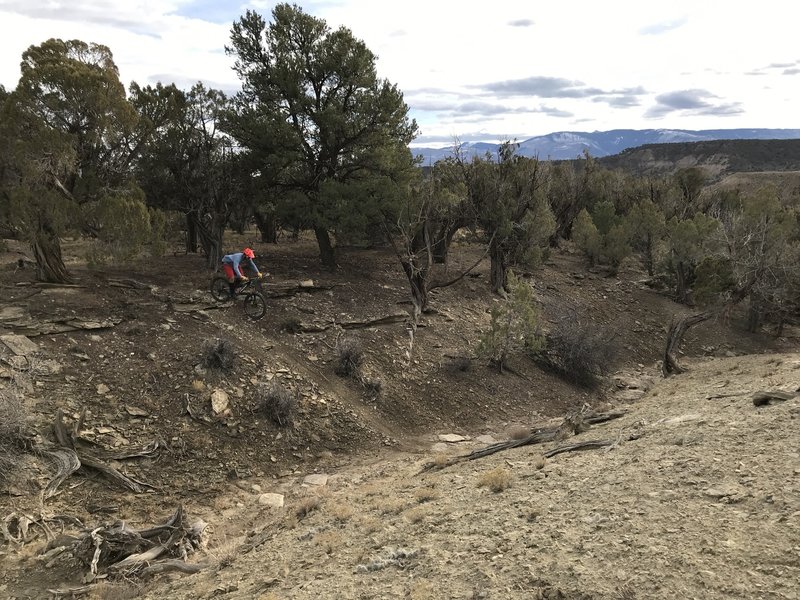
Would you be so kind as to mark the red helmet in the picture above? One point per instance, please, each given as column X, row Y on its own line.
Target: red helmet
column 248, row 252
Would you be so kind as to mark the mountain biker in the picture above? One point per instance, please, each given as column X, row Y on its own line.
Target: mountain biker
column 233, row 272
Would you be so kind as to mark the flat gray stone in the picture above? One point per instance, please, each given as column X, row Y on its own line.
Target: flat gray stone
column 19, row 344
column 273, row 500
column 316, row 479
column 451, row 438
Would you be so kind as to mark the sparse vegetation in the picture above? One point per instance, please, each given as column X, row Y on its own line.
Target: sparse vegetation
column 579, row 350
column 496, row 480
column 291, row 325
column 13, row 419
column 277, row 403
column 306, row 505
column 349, row 357
column 218, row 353
column 514, row 326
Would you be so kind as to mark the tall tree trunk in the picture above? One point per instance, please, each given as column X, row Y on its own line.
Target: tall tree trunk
column 755, row 314
column 268, row 226
column 649, row 250
column 211, row 241
column 418, row 278
column 191, row 233
column 326, row 251
column 47, row 251
column 681, row 289
column 499, row 269
column 441, row 244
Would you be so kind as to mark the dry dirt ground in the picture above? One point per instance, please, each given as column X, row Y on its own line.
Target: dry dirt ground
column 697, row 496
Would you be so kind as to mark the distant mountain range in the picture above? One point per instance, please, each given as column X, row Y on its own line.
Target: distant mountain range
column 565, row 145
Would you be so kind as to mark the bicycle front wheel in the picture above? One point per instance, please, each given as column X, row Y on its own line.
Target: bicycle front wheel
column 255, row 306
column 220, row 290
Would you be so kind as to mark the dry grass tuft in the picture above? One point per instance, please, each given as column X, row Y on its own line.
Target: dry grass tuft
column 415, row 515
column 519, row 432
column 307, row 505
column 329, row 541
column 342, row 512
column 496, row 480
column 426, row 494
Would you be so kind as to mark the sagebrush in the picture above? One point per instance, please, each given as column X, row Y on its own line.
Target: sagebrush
column 218, row 353
column 580, row 351
column 277, row 403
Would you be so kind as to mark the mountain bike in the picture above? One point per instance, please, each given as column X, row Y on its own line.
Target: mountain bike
column 255, row 304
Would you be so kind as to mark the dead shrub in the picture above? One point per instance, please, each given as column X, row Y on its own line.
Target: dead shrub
column 373, row 385
column 329, row 541
column 426, row 494
column 277, row 403
column 349, row 357
column 291, row 325
column 13, row 419
column 307, row 505
column 459, row 364
column 496, row 480
column 218, row 353
column 578, row 350
column 415, row 515
column 342, row 512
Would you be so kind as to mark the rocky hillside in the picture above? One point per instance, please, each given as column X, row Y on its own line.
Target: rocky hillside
column 181, row 456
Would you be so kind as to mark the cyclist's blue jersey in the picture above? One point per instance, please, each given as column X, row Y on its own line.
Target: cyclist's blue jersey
column 235, row 259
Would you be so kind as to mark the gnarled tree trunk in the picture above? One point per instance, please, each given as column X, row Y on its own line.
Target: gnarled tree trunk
column 326, row 252
column 47, row 251
column 268, row 226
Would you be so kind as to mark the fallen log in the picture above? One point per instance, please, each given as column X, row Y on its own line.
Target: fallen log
column 386, row 320
column 587, row 445
column 173, row 565
column 763, row 398
column 571, row 425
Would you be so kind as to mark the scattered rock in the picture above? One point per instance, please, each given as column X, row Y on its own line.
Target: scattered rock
column 273, row 500
column 135, row 411
column 316, row 479
column 452, row 438
column 220, row 401
column 103, row 389
column 486, row 439
column 19, row 344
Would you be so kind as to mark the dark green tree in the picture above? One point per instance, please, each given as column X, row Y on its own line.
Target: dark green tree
column 69, row 132
column 190, row 165
column 313, row 110
column 510, row 206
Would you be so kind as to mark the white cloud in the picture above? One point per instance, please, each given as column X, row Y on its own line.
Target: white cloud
column 522, row 67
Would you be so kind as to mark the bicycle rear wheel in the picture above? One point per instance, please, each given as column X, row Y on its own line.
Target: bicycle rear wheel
column 220, row 290
column 255, row 306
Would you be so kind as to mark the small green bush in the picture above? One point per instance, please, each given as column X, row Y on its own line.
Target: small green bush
column 514, row 326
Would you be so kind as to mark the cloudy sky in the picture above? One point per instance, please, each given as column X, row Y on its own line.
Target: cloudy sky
column 489, row 70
